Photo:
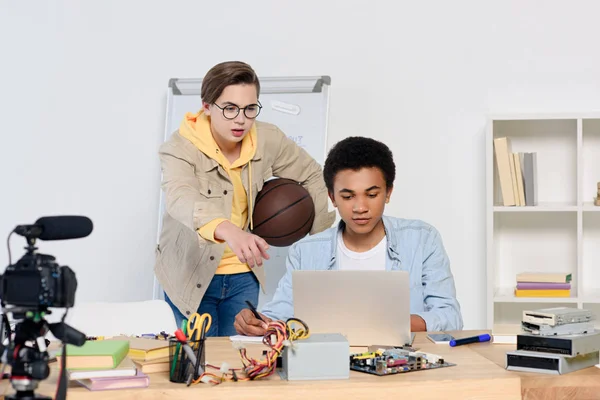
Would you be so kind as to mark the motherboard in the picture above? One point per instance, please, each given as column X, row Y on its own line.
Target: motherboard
column 395, row 361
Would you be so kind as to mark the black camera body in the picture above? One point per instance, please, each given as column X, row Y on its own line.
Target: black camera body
column 28, row 288
column 36, row 281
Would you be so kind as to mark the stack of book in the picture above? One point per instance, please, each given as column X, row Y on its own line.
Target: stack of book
column 543, row 284
column 149, row 355
column 103, row 365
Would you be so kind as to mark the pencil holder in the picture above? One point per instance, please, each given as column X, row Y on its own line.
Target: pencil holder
column 180, row 365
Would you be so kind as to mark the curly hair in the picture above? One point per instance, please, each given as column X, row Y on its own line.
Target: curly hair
column 356, row 152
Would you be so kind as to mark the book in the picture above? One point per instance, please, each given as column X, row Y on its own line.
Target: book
column 125, row 368
column 513, row 176
column 547, row 277
column 529, row 164
column 543, row 285
column 144, row 349
column 153, row 366
column 95, row 354
column 519, row 178
column 542, row 293
column 140, row 380
column 502, row 150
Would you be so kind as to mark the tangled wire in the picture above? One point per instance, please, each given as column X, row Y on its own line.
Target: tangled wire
column 278, row 335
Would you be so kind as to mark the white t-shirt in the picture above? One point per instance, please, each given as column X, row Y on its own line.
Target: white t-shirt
column 373, row 259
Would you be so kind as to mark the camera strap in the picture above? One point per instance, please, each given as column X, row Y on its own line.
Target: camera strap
column 61, row 390
column 63, row 382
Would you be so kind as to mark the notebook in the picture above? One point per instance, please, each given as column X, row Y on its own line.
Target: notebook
column 95, row 354
column 153, row 366
column 546, row 277
column 140, row 380
column 125, row 368
column 148, row 349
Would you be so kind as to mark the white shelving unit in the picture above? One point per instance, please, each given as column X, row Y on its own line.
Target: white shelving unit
column 561, row 233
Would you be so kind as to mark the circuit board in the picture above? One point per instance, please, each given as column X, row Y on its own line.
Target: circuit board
column 395, row 361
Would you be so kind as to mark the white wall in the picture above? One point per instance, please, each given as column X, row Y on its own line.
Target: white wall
column 82, row 93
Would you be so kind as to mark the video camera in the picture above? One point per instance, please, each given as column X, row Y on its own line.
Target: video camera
column 28, row 289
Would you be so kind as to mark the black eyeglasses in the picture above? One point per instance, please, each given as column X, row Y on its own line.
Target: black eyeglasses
column 231, row 111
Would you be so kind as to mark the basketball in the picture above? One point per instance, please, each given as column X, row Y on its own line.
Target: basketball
column 283, row 212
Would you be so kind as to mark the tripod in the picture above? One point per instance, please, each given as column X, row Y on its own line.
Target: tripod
column 28, row 356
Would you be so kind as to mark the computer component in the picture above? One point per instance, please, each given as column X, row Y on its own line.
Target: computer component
column 576, row 328
column 395, row 361
column 385, row 347
column 321, row 356
column 350, row 302
column 557, row 316
column 555, row 364
column 568, row 345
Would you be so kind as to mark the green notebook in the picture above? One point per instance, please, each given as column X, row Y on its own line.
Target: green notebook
column 95, row 354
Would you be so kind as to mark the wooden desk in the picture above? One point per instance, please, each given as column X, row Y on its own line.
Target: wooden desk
column 479, row 374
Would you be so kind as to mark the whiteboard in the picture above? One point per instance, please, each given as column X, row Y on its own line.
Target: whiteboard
column 299, row 106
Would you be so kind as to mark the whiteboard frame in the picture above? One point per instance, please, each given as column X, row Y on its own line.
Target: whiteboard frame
column 268, row 85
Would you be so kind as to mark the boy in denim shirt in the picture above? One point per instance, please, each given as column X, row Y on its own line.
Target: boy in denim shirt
column 359, row 174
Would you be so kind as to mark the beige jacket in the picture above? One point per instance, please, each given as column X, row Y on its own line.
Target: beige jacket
column 197, row 190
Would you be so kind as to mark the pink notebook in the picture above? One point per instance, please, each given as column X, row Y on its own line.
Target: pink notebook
column 140, row 380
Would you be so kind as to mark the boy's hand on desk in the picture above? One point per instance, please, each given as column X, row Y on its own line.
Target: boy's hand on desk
column 249, row 248
column 247, row 324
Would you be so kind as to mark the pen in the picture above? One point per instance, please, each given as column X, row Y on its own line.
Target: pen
column 481, row 338
column 199, row 367
column 176, row 355
column 253, row 309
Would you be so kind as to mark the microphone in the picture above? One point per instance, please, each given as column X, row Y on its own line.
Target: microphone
column 57, row 228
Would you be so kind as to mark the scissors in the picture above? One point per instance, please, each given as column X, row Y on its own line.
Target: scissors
column 197, row 327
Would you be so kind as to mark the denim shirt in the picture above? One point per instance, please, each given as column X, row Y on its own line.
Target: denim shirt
column 412, row 245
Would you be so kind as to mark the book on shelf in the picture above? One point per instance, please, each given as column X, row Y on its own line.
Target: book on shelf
column 529, row 163
column 542, row 293
column 517, row 173
column 519, row 177
column 544, row 277
column 543, row 284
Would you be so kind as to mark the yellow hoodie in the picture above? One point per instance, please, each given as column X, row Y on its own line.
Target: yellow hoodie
column 196, row 128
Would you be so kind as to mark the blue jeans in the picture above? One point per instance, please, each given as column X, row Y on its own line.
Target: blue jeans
column 223, row 300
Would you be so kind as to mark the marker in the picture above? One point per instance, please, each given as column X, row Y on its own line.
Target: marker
column 176, row 356
column 253, row 309
column 481, row 338
column 186, row 347
column 148, row 335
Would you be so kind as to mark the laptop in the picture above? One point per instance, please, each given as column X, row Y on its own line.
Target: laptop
column 368, row 307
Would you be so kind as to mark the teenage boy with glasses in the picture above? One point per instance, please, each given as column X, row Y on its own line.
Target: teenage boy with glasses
column 213, row 167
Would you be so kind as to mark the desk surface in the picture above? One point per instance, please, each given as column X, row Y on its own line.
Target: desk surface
column 479, row 374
